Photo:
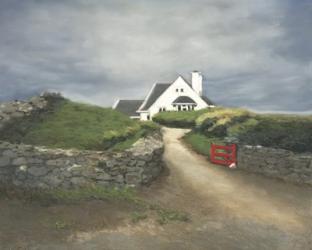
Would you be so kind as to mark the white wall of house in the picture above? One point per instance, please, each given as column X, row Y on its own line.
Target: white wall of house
column 145, row 116
column 166, row 99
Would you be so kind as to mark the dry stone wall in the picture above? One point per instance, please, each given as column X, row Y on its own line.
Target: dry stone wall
column 279, row 163
column 28, row 166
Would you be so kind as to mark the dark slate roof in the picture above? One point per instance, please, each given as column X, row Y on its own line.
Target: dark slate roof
column 129, row 107
column 207, row 100
column 157, row 91
column 184, row 99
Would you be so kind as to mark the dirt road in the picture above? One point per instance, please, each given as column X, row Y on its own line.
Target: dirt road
column 230, row 209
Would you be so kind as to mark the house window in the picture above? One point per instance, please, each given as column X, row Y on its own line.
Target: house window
column 177, row 90
column 162, row 109
column 181, row 90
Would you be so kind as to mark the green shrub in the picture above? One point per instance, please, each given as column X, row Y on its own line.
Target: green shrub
column 280, row 131
column 291, row 132
column 182, row 119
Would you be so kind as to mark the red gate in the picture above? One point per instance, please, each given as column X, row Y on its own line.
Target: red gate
column 226, row 157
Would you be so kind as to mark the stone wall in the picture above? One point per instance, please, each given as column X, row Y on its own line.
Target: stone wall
column 279, row 163
column 38, row 167
column 29, row 166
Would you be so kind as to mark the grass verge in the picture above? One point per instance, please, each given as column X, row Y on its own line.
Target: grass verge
column 201, row 143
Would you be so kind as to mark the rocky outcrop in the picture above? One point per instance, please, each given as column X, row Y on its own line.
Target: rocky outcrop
column 39, row 167
column 279, row 163
column 12, row 111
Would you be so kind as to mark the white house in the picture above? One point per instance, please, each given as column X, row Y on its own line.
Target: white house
column 177, row 96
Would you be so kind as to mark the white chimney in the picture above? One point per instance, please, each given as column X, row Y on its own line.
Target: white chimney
column 197, row 82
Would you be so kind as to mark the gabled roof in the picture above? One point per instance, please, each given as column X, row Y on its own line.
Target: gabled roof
column 207, row 100
column 184, row 99
column 156, row 92
column 129, row 107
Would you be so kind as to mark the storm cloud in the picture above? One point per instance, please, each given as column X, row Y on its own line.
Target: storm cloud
column 255, row 54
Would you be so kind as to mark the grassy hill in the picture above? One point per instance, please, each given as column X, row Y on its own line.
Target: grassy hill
column 74, row 125
column 226, row 125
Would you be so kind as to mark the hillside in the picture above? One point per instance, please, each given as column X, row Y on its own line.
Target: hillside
column 233, row 125
column 68, row 124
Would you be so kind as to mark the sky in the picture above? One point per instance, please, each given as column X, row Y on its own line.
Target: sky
column 252, row 53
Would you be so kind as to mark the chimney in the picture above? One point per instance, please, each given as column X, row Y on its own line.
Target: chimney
column 197, row 82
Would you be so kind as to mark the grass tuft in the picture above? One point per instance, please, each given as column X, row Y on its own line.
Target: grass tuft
column 138, row 216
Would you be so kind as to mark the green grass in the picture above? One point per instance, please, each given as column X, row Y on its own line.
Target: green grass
column 138, row 216
column 201, row 143
column 167, row 215
column 81, row 126
column 183, row 119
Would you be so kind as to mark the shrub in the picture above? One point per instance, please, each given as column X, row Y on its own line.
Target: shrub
column 182, row 119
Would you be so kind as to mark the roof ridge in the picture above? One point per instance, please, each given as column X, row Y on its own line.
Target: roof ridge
column 157, row 90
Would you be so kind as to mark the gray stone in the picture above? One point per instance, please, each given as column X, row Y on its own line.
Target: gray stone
column 57, row 162
column 17, row 182
column 9, row 153
column 133, row 179
column 4, row 161
column 19, row 161
column 53, row 181
column 34, row 161
column 103, row 177
column 78, row 181
column 119, row 179
column 140, row 163
column 38, row 171
column 110, row 163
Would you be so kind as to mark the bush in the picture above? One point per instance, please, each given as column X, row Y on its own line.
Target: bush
column 182, row 119
column 279, row 131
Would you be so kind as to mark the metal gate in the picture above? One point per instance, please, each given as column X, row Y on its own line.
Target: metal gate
column 223, row 155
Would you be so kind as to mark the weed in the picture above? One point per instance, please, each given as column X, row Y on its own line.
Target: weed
column 138, row 216
column 61, row 225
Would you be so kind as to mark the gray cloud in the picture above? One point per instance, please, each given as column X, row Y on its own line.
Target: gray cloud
column 255, row 54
